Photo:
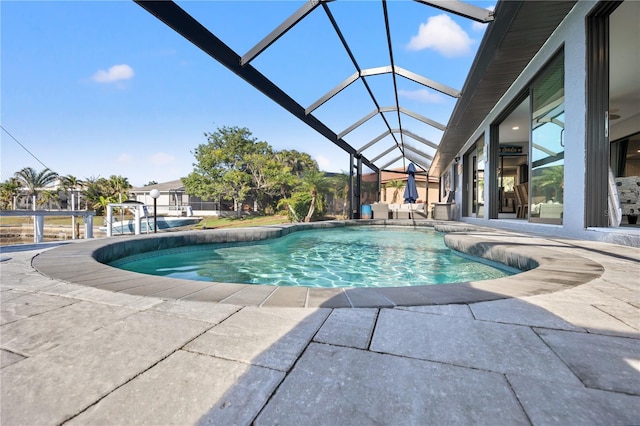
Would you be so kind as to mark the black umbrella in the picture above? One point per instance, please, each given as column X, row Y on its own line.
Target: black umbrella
column 411, row 191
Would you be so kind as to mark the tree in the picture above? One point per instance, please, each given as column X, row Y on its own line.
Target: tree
column 71, row 182
column 72, row 185
column 99, row 192
column 118, row 187
column 9, row 190
column 549, row 181
column 101, row 204
column 92, row 190
column 221, row 168
column 35, row 181
column 151, row 182
column 397, row 185
column 233, row 164
column 339, row 184
column 47, row 198
column 298, row 162
column 314, row 183
column 268, row 176
column 294, row 165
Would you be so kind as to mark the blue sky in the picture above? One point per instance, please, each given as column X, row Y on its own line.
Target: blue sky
column 94, row 89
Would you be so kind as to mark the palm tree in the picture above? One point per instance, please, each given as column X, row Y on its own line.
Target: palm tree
column 340, row 188
column 549, row 181
column 47, row 197
column 92, row 189
column 9, row 190
column 397, row 185
column 73, row 185
column 314, row 182
column 101, row 204
column 119, row 187
column 298, row 162
column 35, row 181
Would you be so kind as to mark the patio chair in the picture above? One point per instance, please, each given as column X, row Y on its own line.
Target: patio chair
column 403, row 211
column 380, row 211
column 522, row 198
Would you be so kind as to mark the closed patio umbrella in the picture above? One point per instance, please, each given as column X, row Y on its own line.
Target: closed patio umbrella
column 411, row 191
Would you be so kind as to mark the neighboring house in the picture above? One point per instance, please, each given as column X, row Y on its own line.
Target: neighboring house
column 174, row 200
column 61, row 200
column 426, row 193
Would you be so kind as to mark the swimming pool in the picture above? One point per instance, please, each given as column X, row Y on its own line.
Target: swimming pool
column 356, row 256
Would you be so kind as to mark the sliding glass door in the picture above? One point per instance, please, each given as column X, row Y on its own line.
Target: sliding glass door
column 546, row 192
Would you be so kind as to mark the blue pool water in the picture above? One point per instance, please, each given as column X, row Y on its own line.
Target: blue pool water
column 356, row 256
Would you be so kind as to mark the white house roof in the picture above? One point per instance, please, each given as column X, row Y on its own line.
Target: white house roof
column 173, row 185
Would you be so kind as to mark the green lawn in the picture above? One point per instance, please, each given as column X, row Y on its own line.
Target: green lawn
column 229, row 222
column 206, row 223
column 52, row 220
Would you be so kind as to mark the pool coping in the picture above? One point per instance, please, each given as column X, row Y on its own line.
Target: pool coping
column 546, row 270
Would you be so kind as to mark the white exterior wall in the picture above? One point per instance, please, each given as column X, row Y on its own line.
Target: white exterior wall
column 162, row 203
column 575, row 89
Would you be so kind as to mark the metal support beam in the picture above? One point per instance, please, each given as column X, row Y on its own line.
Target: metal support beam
column 388, row 70
column 421, row 139
column 418, row 162
column 424, row 119
column 331, row 93
column 187, row 26
column 391, row 162
column 376, row 71
column 385, row 153
column 280, row 30
column 417, row 151
column 427, row 82
column 351, row 184
column 336, row 27
column 374, row 140
column 405, row 111
column 357, row 124
column 466, row 10
column 358, row 197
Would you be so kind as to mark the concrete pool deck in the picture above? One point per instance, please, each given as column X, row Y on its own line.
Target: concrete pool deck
column 559, row 344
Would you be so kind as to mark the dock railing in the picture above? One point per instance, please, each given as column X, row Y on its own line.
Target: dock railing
column 39, row 215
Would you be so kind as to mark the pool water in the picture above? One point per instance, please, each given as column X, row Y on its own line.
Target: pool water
column 356, row 256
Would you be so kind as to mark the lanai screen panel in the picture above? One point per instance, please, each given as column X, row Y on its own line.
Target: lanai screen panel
column 376, row 78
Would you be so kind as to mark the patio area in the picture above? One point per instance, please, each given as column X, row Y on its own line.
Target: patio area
column 559, row 344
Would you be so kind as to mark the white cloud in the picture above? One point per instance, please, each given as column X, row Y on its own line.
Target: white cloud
column 443, row 35
column 124, row 158
column 422, row 95
column 161, row 159
column 115, row 73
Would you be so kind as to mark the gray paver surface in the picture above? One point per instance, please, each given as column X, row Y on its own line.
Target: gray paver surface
column 84, row 355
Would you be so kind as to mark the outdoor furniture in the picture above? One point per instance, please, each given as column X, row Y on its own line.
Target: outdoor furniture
column 381, row 211
column 551, row 210
column 629, row 196
column 399, row 211
column 403, row 211
column 444, row 210
column 418, row 211
column 522, row 198
column 508, row 202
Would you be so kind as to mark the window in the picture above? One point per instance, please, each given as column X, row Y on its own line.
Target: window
column 547, row 145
